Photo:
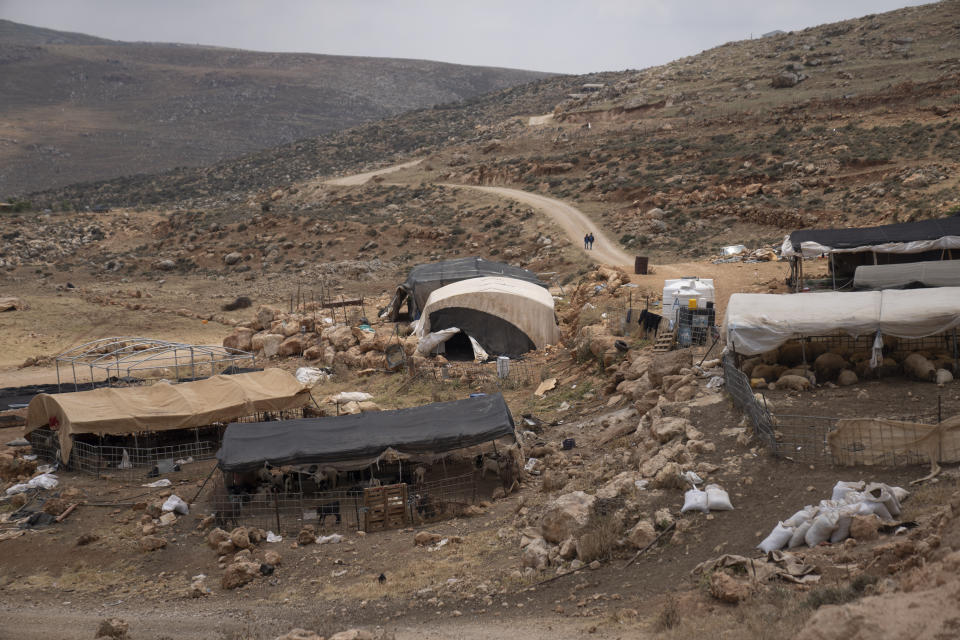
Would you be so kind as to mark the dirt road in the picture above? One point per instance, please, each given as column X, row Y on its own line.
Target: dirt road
column 574, row 223
column 362, row 178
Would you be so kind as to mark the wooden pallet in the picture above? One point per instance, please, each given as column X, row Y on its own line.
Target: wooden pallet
column 665, row 341
column 386, row 507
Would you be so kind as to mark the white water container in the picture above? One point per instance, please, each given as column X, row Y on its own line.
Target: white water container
column 686, row 289
column 503, row 366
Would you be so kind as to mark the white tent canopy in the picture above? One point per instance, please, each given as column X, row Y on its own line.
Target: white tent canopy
column 759, row 322
column 502, row 314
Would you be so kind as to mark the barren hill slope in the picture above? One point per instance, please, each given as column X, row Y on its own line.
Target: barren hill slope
column 77, row 108
column 848, row 123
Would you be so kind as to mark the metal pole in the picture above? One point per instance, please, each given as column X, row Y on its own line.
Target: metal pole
column 193, row 365
column 833, row 271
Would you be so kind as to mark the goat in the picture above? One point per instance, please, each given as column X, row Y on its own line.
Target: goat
column 326, row 476
column 331, row 508
column 491, row 464
column 419, row 474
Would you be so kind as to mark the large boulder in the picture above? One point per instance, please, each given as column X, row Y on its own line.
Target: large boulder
column 567, row 516
column 233, row 257
column 292, row 346
column 267, row 343
column 341, row 337
column 642, row 534
column 536, row 555
column 668, row 364
column 217, row 536
column 239, row 574
column 241, row 338
column 264, row 316
column 665, row 429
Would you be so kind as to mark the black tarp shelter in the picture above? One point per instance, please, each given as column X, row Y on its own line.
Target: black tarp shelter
column 356, row 441
column 905, row 242
column 424, row 279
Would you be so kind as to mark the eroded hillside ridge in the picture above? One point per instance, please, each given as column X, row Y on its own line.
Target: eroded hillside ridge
column 78, row 108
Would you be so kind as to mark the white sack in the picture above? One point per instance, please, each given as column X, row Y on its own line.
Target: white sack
column 821, row 528
column 799, row 534
column 777, row 539
column 352, row 396
column 176, row 505
column 804, row 515
column 717, row 498
column 310, row 376
column 841, row 489
column 695, row 500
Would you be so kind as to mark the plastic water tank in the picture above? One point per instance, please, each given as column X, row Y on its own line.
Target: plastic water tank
column 685, row 289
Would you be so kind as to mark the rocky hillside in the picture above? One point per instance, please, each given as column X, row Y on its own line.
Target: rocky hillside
column 78, row 108
column 852, row 123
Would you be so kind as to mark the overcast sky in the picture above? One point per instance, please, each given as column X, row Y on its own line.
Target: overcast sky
column 566, row 36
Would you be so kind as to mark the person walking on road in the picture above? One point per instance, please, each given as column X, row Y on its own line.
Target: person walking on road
column 590, row 239
column 586, row 241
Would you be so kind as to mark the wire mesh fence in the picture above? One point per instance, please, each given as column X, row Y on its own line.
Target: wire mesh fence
column 889, row 440
column 738, row 386
column 142, row 455
column 351, row 509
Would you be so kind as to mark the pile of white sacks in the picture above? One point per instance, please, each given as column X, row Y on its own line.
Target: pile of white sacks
column 830, row 520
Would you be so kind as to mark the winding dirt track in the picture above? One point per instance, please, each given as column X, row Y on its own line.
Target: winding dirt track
column 363, row 178
column 574, row 222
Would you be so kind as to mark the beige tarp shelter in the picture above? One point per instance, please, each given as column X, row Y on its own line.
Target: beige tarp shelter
column 505, row 315
column 758, row 322
column 164, row 407
column 876, row 441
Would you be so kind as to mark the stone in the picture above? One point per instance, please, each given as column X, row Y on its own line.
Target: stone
column 268, row 343
column 728, row 589
column 299, row 634
column 225, row 548
column 86, row 539
column 663, row 518
column 198, row 589
column 244, row 555
column 665, row 429
column 352, row 634
column 567, row 516
column 151, row 543
column 240, row 538
column 216, row 536
column 167, row 519
column 642, row 534
column 787, row 79
column 864, row 528
column 568, row 549
column 112, row 628
column 272, row 557
column 668, row 364
column 165, row 265
column 239, row 574
column 233, row 257
column 306, row 536
column 536, row 555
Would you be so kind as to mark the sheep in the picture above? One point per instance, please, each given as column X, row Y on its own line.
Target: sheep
column 796, row 383
column 828, row 365
column 919, row 368
column 768, row 372
column 489, row 464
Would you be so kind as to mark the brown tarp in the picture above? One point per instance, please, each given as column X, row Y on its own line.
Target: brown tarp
column 876, row 441
column 164, row 407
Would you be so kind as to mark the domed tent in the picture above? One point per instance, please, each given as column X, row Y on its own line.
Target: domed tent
column 424, row 279
column 504, row 316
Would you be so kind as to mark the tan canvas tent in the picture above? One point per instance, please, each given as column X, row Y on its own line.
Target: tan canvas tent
column 164, row 407
column 505, row 316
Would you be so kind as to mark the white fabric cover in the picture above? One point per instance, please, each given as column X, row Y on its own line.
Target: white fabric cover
column 811, row 249
column 527, row 306
column 758, row 322
column 945, row 273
